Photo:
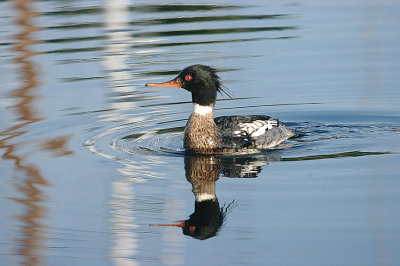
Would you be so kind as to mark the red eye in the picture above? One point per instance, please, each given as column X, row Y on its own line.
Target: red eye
column 192, row 228
column 188, row 77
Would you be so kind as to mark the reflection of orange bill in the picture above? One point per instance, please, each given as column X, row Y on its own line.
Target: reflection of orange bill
column 178, row 224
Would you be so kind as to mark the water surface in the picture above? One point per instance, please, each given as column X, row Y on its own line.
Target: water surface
column 91, row 159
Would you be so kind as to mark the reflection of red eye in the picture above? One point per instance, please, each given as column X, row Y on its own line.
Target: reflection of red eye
column 192, row 228
column 188, row 77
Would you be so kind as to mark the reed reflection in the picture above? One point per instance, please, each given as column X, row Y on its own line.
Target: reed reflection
column 31, row 230
column 203, row 172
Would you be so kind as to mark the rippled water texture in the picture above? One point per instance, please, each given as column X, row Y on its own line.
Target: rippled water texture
column 93, row 169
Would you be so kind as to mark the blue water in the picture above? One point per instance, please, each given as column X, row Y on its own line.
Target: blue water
column 91, row 159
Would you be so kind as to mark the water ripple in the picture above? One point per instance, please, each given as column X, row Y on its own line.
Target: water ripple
column 315, row 141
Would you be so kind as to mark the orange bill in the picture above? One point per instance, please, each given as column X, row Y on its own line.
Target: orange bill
column 171, row 83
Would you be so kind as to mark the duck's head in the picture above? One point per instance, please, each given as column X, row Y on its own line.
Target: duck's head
column 202, row 81
column 205, row 222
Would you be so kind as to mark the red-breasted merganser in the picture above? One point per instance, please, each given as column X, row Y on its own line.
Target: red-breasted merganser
column 225, row 134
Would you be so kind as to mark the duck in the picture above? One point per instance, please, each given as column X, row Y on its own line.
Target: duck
column 205, row 134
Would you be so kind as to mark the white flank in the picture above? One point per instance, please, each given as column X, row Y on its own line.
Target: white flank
column 256, row 128
column 202, row 109
column 260, row 131
column 204, row 196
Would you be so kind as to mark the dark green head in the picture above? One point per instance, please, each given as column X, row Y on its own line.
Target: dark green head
column 202, row 81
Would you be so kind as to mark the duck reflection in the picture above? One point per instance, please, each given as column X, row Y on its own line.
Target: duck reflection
column 203, row 172
column 208, row 217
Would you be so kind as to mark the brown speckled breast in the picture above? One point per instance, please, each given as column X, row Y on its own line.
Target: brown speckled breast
column 201, row 134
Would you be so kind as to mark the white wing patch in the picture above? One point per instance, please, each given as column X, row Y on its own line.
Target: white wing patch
column 255, row 128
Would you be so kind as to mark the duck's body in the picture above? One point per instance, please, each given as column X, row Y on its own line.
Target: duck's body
column 202, row 135
column 206, row 135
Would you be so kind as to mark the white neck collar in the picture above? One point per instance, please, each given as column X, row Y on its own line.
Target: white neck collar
column 202, row 109
column 204, row 196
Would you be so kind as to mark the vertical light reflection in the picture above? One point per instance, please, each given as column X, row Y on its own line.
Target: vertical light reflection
column 32, row 230
column 117, row 52
column 125, row 244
